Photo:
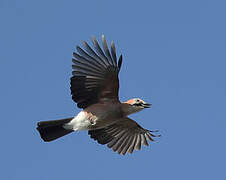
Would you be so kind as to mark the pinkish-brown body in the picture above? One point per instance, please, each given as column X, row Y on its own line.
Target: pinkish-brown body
column 97, row 116
column 101, row 115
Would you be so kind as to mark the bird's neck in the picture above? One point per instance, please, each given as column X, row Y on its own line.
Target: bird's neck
column 127, row 109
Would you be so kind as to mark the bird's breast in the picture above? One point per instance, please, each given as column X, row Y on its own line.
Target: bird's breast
column 104, row 114
column 95, row 117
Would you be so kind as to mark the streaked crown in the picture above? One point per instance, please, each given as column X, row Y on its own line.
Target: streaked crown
column 135, row 105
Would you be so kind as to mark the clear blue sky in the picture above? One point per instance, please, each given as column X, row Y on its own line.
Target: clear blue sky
column 174, row 57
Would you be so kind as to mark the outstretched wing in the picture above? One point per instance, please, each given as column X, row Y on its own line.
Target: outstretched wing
column 95, row 74
column 123, row 136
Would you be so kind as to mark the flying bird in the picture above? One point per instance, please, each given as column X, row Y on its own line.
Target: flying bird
column 94, row 87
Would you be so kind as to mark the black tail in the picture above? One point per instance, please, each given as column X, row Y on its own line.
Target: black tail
column 51, row 130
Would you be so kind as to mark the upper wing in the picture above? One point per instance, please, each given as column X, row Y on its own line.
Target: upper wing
column 95, row 74
column 123, row 136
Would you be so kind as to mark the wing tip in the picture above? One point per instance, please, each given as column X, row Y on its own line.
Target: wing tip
column 94, row 38
column 120, row 62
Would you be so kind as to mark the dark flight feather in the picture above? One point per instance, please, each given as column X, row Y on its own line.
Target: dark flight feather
column 95, row 74
column 124, row 136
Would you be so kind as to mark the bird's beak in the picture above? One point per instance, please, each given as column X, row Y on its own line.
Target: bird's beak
column 146, row 105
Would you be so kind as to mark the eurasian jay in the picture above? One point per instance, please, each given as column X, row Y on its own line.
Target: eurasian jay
column 94, row 87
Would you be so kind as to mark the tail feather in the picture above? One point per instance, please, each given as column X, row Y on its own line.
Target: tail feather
column 51, row 130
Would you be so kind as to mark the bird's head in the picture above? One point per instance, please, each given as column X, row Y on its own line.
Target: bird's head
column 135, row 105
